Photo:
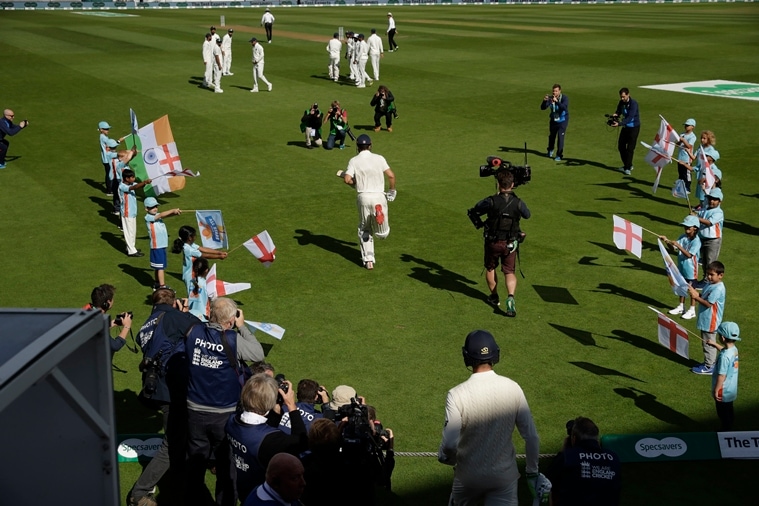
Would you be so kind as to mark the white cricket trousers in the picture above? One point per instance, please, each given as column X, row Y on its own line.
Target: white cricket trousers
column 368, row 225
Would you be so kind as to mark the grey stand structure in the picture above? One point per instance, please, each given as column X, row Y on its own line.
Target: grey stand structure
column 57, row 427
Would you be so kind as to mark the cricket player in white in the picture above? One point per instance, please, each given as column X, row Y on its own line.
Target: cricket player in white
column 375, row 52
column 361, row 57
column 334, row 48
column 350, row 54
column 366, row 173
column 258, row 65
column 226, row 48
column 218, row 61
column 207, row 53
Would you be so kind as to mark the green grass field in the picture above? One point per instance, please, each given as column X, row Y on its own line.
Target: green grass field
column 468, row 83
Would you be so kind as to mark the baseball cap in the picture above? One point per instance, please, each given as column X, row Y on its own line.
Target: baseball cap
column 341, row 396
column 151, row 202
column 253, row 40
column 104, row 125
column 389, row 13
column 231, row 31
column 715, row 194
column 364, row 140
column 111, row 143
column 690, row 122
column 710, row 151
column 729, row 330
column 218, row 41
column 690, row 221
column 212, row 28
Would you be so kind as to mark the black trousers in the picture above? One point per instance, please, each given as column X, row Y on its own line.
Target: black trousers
column 391, row 39
column 378, row 115
column 557, row 130
column 267, row 26
column 628, row 139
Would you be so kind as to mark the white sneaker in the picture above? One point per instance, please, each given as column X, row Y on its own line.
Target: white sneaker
column 689, row 314
column 230, row 73
column 678, row 310
column 254, row 90
column 361, row 86
column 269, row 86
column 218, row 90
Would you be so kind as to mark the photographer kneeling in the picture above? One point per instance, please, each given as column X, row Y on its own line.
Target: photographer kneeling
column 502, row 236
column 338, row 126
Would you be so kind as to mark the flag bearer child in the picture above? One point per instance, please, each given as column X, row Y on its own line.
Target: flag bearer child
column 159, row 239
column 687, row 246
column 710, row 310
column 185, row 244
column 129, row 210
column 725, row 376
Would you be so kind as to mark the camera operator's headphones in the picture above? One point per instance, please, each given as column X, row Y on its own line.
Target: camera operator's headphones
column 479, row 347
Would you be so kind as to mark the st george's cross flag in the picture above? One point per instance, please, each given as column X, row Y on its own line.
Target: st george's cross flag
column 676, row 280
column 159, row 158
column 262, row 247
column 628, row 236
column 218, row 288
column 272, row 329
column 666, row 138
column 673, row 336
column 213, row 233
column 678, row 189
column 706, row 170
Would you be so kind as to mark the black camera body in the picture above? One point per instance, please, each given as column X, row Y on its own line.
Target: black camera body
column 522, row 173
column 152, row 370
column 119, row 320
column 282, row 384
column 611, row 119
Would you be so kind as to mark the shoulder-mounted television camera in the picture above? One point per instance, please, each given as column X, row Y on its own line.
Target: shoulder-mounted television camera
column 495, row 164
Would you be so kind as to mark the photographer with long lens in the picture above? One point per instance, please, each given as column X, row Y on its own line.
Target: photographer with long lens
column 627, row 116
column 253, row 441
column 311, row 125
column 338, row 126
column 583, row 473
column 502, row 233
column 164, row 388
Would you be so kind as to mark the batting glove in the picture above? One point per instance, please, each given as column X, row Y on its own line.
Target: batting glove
column 391, row 195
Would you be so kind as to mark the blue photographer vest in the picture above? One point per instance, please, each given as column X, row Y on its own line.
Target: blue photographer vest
column 152, row 340
column 307, row 412
column 214, row 381
column 245, row 441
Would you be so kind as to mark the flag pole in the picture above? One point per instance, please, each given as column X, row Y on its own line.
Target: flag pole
column 688, row 331
column 235, row 248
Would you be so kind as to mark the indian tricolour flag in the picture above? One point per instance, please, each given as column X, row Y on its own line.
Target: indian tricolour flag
column 159, row 158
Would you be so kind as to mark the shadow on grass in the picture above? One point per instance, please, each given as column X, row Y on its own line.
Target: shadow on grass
column 609, row 247
column 634, row 263
column 587, row 214
column 650, row 346
column 115, row 240
column 94, row 184
column 638, row 192
column 742, row 227
column 628, row 294
column 590, row 261
column 648, row 403
column 555, row 294
column 664, row 221
column 346, row 249
column 142, row 275
column 437, row 276
column 301, row 144
column 106, row 209
column 583, row 337
column 603, row 371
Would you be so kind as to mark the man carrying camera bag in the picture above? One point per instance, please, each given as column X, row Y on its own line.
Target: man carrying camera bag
column 502, row 236
column 164, row 387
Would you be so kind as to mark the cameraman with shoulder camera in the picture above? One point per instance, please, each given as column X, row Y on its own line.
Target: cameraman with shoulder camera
column 338, row 125
column 502, row 236
column 251, row 437
column 626, row 116
column 164, row 387
column 583, row 473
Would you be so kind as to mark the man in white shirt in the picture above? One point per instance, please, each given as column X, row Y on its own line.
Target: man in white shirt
column 258, row 65
column 375, row 52
column 226, row 49
column 366, row 173
column 214, row 35
column 207, row 53
column 391, row 31
column 350, row 55
column 218, row 62
column 480, row 416
column 267, row 20
column 361, row 57
column 334, row 48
